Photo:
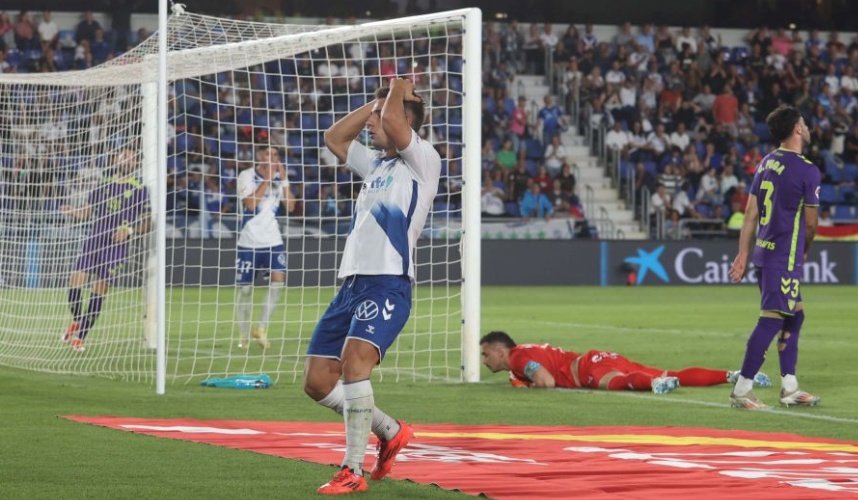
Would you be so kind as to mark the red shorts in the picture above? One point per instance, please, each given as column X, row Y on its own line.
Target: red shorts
column 596, row 368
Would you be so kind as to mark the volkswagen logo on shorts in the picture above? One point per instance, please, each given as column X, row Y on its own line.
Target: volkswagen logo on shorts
column 366, row 311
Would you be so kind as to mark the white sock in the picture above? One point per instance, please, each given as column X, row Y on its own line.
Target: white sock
column 271, row 301
column 357, row 411
column 743, row 386
column 383, row 425
column 243, row 309
column 789, row 383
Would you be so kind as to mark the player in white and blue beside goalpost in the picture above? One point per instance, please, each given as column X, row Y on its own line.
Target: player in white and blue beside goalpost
column 261, row 190
column 400, row 175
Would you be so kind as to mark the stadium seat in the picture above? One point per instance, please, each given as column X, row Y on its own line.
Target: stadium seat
column 13, row 57
column 275, row 100
column 836, row 174
column 308, row 121
column 704, row 210
column 455, row 83
column 341, row 103
column 761, row 130
column 356, row 101
column 829, row 194
column 325, row 121
column 848, row 195
column 844, row 213
column 211, row 146
column 850, row 171
column 228, row 144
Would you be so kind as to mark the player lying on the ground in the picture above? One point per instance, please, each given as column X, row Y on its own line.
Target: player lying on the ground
column 543, row 365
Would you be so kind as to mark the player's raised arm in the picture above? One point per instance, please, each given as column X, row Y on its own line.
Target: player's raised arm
column 394, row 121
column 341, row 134
column 746, row 240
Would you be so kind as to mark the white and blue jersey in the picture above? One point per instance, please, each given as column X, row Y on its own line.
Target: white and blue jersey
column 260, row 244
column 391, row 209
column 260, row 229
column 374, row 302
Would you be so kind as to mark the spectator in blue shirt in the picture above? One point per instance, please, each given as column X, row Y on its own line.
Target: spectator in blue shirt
column 551, row 119
column 534, row 203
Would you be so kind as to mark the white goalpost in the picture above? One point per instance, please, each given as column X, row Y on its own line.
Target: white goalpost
column 233, row 87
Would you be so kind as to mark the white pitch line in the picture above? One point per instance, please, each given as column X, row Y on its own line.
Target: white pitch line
column 410, row 373
column 614, row 328
column 697, row 402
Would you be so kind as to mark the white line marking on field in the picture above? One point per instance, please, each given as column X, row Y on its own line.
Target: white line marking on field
column 671, row 331
column 776, row 411
column 392, row 372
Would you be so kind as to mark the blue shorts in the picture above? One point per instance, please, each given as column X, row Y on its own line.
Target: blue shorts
column 250, row 260
column 779, row 290
column 370, row 308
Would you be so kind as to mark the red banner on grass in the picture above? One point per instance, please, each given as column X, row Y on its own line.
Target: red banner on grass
column 502, row 461
column 848, row 232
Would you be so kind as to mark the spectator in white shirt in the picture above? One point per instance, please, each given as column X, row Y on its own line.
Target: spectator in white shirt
column 491, row 201
column 679, row 137
column 657, row 141
column 629, row 94
column 48, row 34
column 682, row 203
column 660, row 201
column 831, row 78
column 615, row 76
column 638, row 60
column 686, row 38
column 848, row 80
column 555, row 155
column 728, row 180
column 708, row 190
column 617, row 139
column 548, row 38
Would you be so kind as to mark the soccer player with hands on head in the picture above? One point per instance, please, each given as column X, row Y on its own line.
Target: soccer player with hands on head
column 780, row 224
column 546, row 366
column 400, row 173
column 261, row 190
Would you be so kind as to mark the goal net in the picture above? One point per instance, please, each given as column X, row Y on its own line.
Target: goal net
column 79, row 198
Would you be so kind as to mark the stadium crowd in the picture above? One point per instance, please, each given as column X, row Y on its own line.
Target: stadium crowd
column 684, row 113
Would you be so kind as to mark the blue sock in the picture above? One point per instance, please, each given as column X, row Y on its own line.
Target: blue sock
column 74, row 303
column 758, row 343
column 788, row 343
column 95, row 301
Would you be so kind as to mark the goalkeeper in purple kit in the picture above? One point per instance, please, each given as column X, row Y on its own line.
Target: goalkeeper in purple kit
column 782, row 211
column 117, row 209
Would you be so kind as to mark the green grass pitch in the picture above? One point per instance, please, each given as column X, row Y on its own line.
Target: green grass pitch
column 47, row 457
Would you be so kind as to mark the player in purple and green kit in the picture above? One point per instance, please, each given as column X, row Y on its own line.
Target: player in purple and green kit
column 118, row 209
column 782, row 210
